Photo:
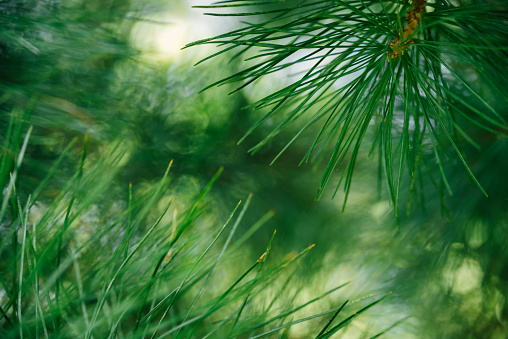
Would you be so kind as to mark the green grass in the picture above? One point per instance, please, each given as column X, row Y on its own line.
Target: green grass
column 138, row 270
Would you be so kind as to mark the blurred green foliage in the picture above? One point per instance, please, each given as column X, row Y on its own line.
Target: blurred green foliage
column 72, row 68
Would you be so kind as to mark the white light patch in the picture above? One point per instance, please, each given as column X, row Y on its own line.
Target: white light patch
column 468, row 277
column 161, row 36
column 170, row 39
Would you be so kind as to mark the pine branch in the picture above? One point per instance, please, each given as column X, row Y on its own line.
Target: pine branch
column 381, row 68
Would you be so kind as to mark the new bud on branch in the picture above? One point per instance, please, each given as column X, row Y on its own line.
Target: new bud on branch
column 400, row 44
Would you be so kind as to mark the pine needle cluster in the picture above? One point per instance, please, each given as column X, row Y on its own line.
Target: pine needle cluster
column 409, row 75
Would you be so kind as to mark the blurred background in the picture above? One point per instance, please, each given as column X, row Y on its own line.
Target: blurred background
column 115, row 70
